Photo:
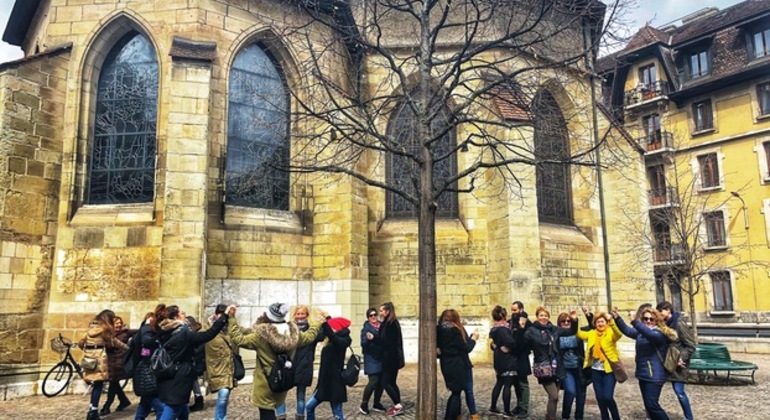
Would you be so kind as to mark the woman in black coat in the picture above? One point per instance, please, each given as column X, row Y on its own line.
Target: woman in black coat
column 330, row 386
column 303, row 363
column 392, row 355
column 505, row 361
column 179, row 340
column 453, row 348
column 371, row 346
column 145, row 384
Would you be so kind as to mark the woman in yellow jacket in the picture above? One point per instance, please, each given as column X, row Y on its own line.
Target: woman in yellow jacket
column 601, row 347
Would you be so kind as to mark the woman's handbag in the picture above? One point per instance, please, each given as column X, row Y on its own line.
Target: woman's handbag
column 89, row 363
column 351, row 369
column 145, row 383
column 239, row 371
column 673, row 354
column 545, row 369
column 618, row 369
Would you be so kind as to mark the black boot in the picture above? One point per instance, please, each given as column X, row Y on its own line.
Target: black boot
column 198, row 406
column 93, row 415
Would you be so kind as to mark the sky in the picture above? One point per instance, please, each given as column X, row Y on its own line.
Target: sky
column 657, row 12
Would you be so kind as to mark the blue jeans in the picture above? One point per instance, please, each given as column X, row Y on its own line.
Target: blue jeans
column 146, row 405
column 604, row 387
column 96, row 393
column 220, row 410
column 174, row 412
column 281, row 410
column 683, row 400
column 312, row 403
column 573, row 391
column 651, row 398
column 469, row 399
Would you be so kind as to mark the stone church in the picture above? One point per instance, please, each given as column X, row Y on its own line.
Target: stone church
column 124, row 143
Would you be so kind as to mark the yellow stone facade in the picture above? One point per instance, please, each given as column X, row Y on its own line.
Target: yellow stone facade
column 62, row 261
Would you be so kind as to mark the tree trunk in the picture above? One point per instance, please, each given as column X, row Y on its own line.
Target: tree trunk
column 693, row 320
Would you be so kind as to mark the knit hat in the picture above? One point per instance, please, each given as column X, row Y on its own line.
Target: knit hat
column 338, row 323
column 277, row 312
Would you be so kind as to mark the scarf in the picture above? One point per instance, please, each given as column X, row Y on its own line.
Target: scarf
column 597, row 353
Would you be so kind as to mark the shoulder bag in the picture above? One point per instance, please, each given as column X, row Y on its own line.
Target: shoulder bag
column 351, row 369
column 618, row 368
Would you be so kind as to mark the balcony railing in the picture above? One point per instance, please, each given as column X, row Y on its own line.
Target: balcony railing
column 668, row 253
column 667, row 196
column 647, row 92
column 659, row 140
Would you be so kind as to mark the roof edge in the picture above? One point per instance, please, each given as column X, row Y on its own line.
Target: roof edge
column 18, row 22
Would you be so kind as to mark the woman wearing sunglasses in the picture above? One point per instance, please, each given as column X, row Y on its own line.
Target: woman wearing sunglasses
column 371, row 346
column 652, row 336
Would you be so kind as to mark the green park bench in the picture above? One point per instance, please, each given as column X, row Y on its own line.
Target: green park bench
column 712, row 358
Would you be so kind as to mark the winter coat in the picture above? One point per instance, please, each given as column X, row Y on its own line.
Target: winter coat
column 267, row 341
column 330, row 386
column 503, row 361
column 95, row 344
column 453, row 358
column 145, row 384
column 608, row 342
column 180, row 341
column 651, row 346
column 543, row 339
column 521, row 350
column 685, row 343
column 219, row 360
column 392, row 345
column 372, row 350
column 115, row 356
column 303, row 359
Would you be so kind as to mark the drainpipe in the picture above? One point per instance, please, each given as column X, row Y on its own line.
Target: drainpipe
column 590, row 61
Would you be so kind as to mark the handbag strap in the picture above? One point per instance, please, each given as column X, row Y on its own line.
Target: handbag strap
column 604, row 353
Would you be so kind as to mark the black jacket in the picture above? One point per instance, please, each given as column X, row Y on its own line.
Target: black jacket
column 303, row 360
column 521, row 349
column 180, row 342
column 145, row 384
column 330, row 386
column 544, row 339
column 454, row 360
column 392, row 345
column 503, row 362
column 372, row 350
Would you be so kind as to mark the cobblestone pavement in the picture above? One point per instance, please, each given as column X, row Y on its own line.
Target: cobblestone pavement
column 711, row 401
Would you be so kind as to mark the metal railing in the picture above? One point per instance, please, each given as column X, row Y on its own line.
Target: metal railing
column 668, row 253
column 656, row 141
column 666, row 196
column 647, row 92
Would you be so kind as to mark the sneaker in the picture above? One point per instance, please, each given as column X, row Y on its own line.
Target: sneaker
column 379, row 407
column 363, row 409
column 122, row 406
column 395, row 411
column 495, row 411
column 104, row 411
column 509, row 415
column 523, row 414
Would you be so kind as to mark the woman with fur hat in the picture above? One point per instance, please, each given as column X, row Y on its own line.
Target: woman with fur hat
column 270, row 335
column 330, row 386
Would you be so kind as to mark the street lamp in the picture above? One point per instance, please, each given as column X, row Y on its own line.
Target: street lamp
column 745, row 215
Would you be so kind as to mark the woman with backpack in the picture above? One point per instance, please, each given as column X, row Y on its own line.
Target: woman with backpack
column 178, row 340
column 330, row 386
column 115, row 367
column 145, row 384
column 270, row 336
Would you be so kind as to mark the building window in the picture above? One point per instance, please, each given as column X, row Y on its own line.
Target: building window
column 554, row 184
column 766, row 148
column 699, row 64
column 723, row 294
column 122, row 160
column 715, row 229
column 648, row 76
column 760, row 40
column 709, row 171
column 403, row 171
column 257, row 132
column 763, row 97
column 651, row 124
column 702, row 116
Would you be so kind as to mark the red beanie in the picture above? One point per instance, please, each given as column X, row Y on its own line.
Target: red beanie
column 338, row 323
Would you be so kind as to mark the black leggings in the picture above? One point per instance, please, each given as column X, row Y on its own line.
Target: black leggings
column 374, row 386
column 454, row 406
column 503, row 383
column 115, row 391
column 389, row 377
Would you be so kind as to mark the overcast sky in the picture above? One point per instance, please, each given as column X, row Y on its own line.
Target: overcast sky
column 657, row 12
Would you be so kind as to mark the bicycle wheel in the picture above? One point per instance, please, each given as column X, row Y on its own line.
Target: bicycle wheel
column 57, row 379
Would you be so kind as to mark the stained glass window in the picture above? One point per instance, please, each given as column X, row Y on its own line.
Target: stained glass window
column 403, row 172
column 122, row 161
column 257, row 132
column 554, row 185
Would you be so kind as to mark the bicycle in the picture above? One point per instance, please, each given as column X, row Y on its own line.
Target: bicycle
column 58, row 378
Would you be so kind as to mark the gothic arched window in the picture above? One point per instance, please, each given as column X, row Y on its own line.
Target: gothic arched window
column 257, row 132
column 402, row 170
column 554, row 185
column 122, row 161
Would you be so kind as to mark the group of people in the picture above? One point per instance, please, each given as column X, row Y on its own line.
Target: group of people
column 210, row 350
column 567, row 357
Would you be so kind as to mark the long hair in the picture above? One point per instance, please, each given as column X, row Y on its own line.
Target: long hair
column 163, row 312
column 106, row 320
column 388, row 306
column 453, row 317
column 642, row 309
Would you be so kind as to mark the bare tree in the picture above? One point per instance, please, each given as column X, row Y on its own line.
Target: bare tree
column 389, row 92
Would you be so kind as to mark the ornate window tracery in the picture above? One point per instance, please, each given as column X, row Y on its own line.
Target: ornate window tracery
column 554, row 185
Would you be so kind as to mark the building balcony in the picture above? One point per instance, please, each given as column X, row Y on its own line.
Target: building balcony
column 656, row 142
column 663, row 197
column 668, row 254
column 646, row 94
